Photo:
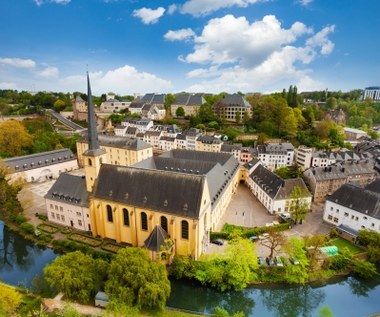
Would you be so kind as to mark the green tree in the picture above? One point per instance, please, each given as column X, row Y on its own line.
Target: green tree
column 180, row 112
column 238, row 117
column 363, row 269
column 14, row 139
column 295, row 248
column 299, row 206
column 10, row 299
column 59, row 105
column 273, row 241
column 74, row 274
column 137, row 281
column 221, row 312
column 325, row 311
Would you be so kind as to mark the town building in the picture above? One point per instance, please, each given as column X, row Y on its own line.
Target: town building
column 352, row 208
column 324, row 181
column 119, row 150
column 273, row 192
column 79, row 109
column 371, row 93
column 189, row 102
column 142, row 124
column 302, row 156
column 40, row 166
column 112, row 105
column 234, row 149
column 353, row 135
column 276, row 155
column 67, row 202
column 208, row 143
column 229, row 107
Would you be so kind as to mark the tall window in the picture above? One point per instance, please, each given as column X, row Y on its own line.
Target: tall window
column 109, row 213
column 164, row 223
column 89, row 162
column 126, row 217
column 144, row 221
column 185, row 230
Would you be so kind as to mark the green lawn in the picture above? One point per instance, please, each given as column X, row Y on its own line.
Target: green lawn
column 342, row 243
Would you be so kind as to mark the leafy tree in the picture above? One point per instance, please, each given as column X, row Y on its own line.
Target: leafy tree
column 75, row 275
column 59, row 105
column 10, row 299
column 137, row 281
column 299, row 206
column 295, row 248
column 180, row 112
column 312, row 244
column 221, row 312
column 363, row 269
column 213, row 125
column 371, row 239
column 14, row 139
column 274, row 240
column 246, row 119
column 331, row 103
column 238, row 117
column 325, row 311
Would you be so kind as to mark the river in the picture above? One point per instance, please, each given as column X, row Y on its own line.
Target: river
column 21, row 261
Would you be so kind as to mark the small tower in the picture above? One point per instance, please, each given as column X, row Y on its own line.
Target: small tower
column 94, row 156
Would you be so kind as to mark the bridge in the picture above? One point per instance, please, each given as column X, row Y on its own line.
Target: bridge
column 71, row 125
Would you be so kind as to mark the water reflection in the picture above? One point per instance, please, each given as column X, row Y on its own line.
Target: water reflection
column 292, row 302
column 20, row 260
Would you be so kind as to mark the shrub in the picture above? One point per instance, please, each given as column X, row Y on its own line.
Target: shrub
column 27, row 227
column 17, row 218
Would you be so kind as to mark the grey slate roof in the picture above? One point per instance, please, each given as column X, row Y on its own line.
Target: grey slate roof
column 267, row 180
column 289, row 184
column 156, row 239
column 28, row 162
column 163, row 191
column 341, row 170
column 189, row 100
column 208, row 139
column 231, row 147
column 234, row 100
column 275, row 148
column 357, row 198
column 121, row 142
column 70, row 189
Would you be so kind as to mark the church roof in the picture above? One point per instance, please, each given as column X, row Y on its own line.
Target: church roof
column 164, row 191
column 157, row 239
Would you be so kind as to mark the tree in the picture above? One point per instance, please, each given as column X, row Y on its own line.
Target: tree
column 180, row 112
column 274, row 240
column 238, row 117
column 59, row 105
column 137, row 281
column 14, row 139
column 312, row 244
column 299, row 206
column 363, row 268
column 10, row 299
column 295, row 248
column 74, row 274
column 325, row 311
column 221, row 312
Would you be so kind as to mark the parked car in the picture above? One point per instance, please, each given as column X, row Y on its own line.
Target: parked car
column 217, row 241
column 270, row 261
column 253, row 238
column 261, row 260
column 294, row 261
column 278, row 261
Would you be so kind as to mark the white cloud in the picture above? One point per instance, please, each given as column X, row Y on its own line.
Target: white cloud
column 149, row 16
column 7, row 85
column 235, row 40
column 305, row 2
column 320, row 40
column 18, row 62
column 41, row 2
column 172, row 8
column 49, row 72
column 123, row 80
column 204, row 7
column 179, row 35
column 258, row 56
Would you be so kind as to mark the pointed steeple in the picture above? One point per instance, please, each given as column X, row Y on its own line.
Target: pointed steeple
column 93, row 141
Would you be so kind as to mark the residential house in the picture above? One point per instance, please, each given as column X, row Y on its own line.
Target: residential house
column 208, row 143
column 324, row 181
column 352, row 208
column 273, row 192
column 234, row 149
column 189, row 102
column 67, row 202
column 276, row 155
column 153, row 138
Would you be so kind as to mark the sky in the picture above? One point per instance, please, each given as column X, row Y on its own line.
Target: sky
column 210, row 46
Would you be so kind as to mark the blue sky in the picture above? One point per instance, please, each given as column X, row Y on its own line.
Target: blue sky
column 132, row 46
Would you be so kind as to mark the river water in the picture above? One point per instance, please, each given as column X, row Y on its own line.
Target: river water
column 21, row 261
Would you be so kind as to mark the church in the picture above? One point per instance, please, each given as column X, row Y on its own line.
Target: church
column 179, row 196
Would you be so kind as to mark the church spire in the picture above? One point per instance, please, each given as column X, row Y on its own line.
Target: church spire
column 93, row 142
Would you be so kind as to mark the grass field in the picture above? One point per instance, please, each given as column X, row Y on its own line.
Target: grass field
column 342, row 243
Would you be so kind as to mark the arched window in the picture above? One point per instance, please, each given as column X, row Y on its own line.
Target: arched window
column 184, row 230
column 164, row 223
column 126, row 217
column 144, row 221
column 89, row 162
column 109, row 213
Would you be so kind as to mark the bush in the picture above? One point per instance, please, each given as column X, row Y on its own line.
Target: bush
column 17, row 218
column 27, row 227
